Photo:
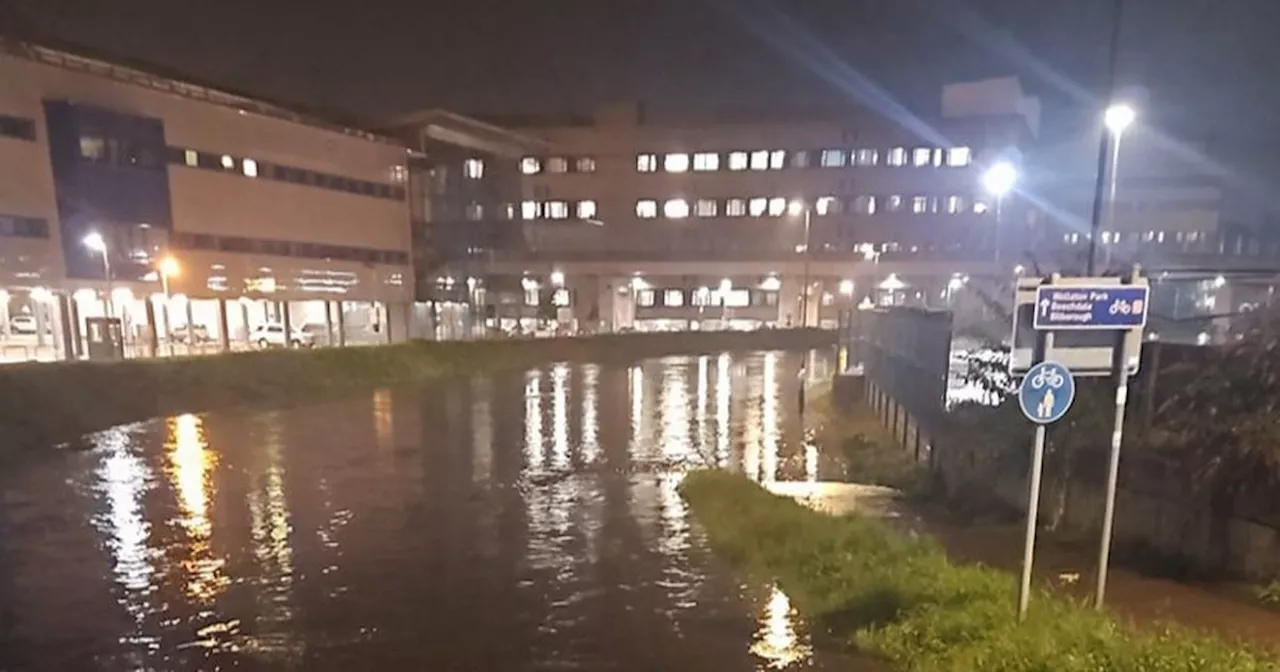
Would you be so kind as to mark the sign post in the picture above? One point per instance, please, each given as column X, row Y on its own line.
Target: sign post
column 1045, row 396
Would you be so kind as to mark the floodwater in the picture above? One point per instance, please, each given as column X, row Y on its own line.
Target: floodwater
column 525, row 521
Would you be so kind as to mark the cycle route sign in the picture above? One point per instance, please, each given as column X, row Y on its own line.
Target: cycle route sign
column 1046, row 393
column 1067, row 307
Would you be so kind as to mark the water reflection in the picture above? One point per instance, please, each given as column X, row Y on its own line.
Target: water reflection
column 190, row 470
column 778, row 641
column 522, row 521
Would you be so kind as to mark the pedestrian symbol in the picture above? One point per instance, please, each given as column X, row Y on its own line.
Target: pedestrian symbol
column 1046, row 393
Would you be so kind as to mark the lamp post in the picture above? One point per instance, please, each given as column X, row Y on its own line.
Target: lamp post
column 999, row 181
column 95, row 242
column 168, row 267
column 1117, row 118
column 806, row 209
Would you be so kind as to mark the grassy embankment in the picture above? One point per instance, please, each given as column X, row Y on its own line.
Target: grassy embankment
column 869, row 453
column 50, row 403
column 900, row 598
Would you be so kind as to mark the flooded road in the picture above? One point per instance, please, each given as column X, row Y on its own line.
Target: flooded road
column 527, row 521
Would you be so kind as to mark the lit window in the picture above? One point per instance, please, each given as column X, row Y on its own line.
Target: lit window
column 706, row 207
column 979, row 207
column 644, row 298
column 827, row 205
column 191, row 157
column 920, row 156
column 704, row 161
column 868, row 157
column 777, row 206
column 833, row 158
column 958, row 157
column 702, row 297
column 529, row 210
column 250, row 167
column 893, row 203
column 897, row 156
column 94, row 149
column 738, row 161
column 865, row 205
column 675, row 163
column 756, row 207
column 473, row 169
column 673, row 298
column 646, row 163
column 228, row 162
column 531, row 296
column 800, row 159
column 586, row 164
column 475, row 212
column 557, row 164
column 777, row 159
column 939, row 157
column 399, row 174
column 586, row 209
column 1159, row 236
column 675, row 208
column 561, row 298
column 735, row 207
column 557, row 210
column 919, row 204
column 646, row 208
column 1106, row 237
column 530, row 165
column 955, row 205
column 735, row 298
column 760, row 159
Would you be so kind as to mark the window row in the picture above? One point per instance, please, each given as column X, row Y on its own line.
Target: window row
column 283, row 248
column 120, row 152
column 777, row 206
column 732, row 298
column 13, row 226
column 1121, row 237
column 779, row 159
column 557, row 209
column 533, row 165
column 270, row 171
column 17, row 127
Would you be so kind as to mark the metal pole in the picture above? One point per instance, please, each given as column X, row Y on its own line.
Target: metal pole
column 1095, row 223
column 168, row 325
column 808, row 253
column 106, row 270
column 1111, row 199
column 998, row 226
column 1033, row 495
column 1121, row 370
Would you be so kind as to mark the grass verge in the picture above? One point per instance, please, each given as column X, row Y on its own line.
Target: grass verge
column 901, row 598
column 869, row 453
column 50, row 403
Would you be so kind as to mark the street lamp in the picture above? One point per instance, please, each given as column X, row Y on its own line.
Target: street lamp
column 169, row 268
column 96, row 243
column 998, row 181
column 798, row 207
column 1117, row 118
column 557, row 278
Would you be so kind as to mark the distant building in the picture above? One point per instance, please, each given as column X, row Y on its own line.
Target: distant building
column 271, row 216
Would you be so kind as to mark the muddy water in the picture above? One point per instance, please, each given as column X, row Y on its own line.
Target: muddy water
column 514, row 522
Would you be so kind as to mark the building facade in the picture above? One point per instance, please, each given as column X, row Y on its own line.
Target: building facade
column 142, row 196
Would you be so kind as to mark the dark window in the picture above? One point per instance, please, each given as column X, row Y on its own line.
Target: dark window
column 17, row 127
column 23, row 227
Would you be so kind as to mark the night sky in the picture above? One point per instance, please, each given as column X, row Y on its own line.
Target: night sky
column 1207, row 64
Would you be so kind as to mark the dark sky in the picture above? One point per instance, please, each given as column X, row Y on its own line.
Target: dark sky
column 1207, row 64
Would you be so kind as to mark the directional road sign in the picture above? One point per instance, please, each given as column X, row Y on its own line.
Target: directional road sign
column 1046, row 393
column 1119, row 307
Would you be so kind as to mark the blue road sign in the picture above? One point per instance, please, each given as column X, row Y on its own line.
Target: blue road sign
column 1070, row 307
column 1046, row 393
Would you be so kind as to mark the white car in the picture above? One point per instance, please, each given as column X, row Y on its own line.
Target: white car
column 272, row 335
column 22, row 324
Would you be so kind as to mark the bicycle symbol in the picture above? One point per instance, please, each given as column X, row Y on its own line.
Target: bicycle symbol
column 1048, row 376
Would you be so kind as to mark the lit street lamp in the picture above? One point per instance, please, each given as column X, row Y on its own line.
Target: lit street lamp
column 95, row 242
column 1117, row 118
column 998, row 181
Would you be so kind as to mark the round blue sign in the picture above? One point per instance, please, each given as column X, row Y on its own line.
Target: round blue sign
column 1046, row 393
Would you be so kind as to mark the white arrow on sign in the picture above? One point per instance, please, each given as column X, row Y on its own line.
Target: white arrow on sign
column 1044, row 306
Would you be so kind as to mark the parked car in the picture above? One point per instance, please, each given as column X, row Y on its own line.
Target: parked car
column 272, row 335
column 181, row 333
column 26, row 324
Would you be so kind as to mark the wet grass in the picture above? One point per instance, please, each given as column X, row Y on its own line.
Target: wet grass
column 899, row 597
column 869, row 453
